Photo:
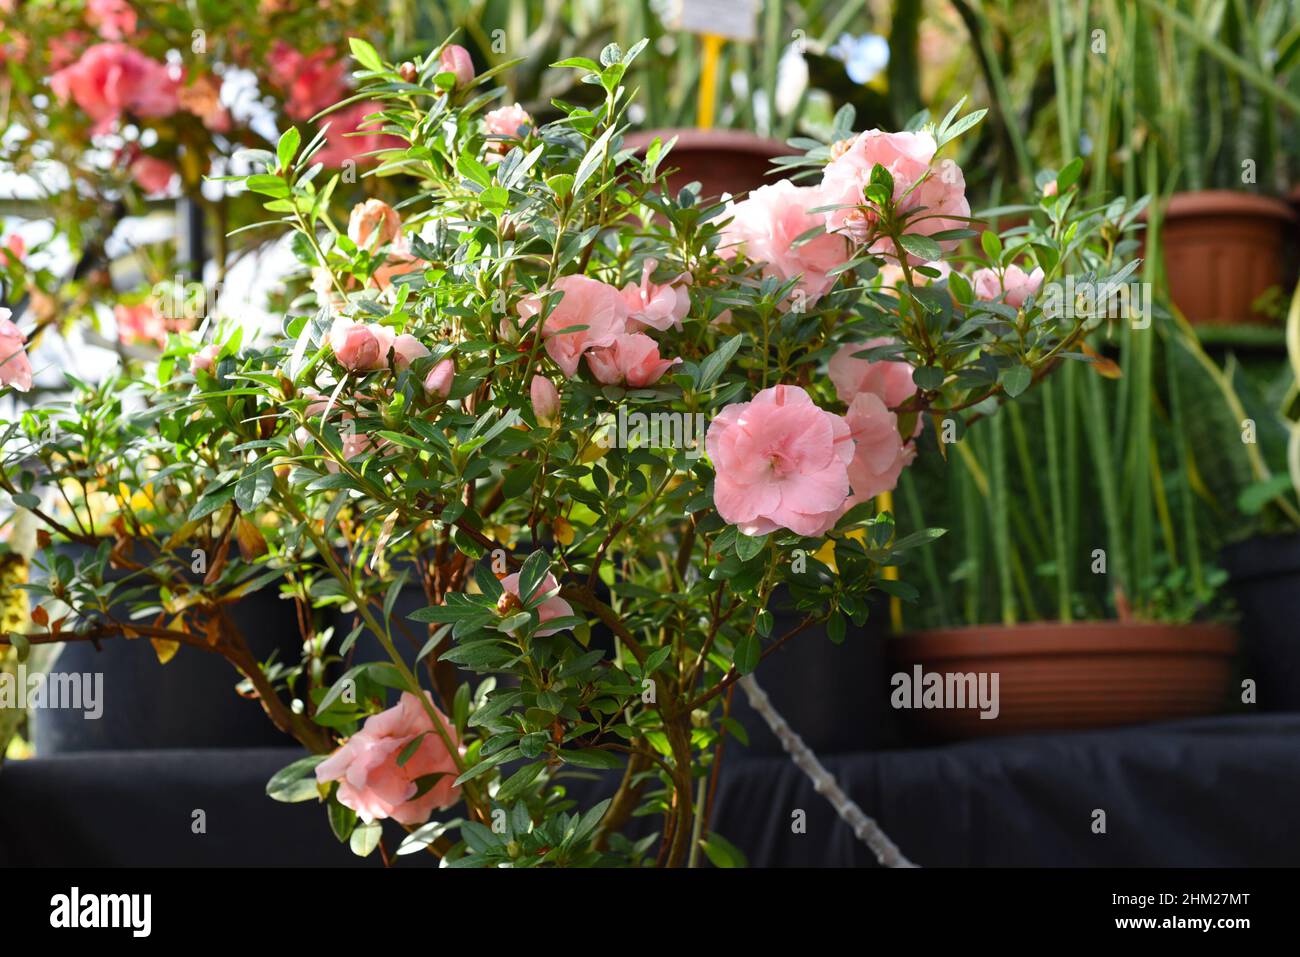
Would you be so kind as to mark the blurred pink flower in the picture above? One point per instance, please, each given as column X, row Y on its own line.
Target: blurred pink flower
column 781, row 462
column 341, row 145
column 632, row 359
column 310, row 82
column 658, row 307
column 152, row 175
column 140, row 323
column 765, row 226
column 586, row 302
column 15, row 367
column 202, row 97
column 376, row 784
column 114, row 19
column 1015, row 282
column 890, row 380
column 111, row 79
column 553, row 607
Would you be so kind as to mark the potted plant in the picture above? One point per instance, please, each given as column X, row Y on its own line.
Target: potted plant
column 563, row 418
column 1257, row 439
column 1080, row 587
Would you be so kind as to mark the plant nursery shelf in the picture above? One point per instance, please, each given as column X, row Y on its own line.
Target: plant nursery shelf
column 1016, row 801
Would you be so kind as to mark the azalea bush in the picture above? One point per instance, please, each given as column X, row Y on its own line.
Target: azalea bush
column 111, row 106
column 599, row 427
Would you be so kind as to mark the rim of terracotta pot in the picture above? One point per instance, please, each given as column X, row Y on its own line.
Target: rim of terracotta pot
column 689, row 138
column 1039, row 639
column 1226, row 202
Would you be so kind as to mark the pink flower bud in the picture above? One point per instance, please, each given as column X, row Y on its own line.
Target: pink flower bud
column 438, row 381
column 456, row 59
column 546, row 400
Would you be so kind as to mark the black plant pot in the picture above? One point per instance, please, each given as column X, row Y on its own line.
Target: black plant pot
column 190, row 702
column 835, row 697
column 1264, row 578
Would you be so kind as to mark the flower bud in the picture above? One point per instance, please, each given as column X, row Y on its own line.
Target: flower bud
column 546, row 400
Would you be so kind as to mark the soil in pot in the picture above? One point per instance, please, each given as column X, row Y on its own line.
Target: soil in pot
column 1053, row 677
column 721, row 161
column 835, row 697
column 1264, row 578
column 190, row 702
column 1223, row 249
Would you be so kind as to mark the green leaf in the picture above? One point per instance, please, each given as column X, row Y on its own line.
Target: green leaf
column 534, row 570
column 1016, row 379
column 747, row 546
column 365, row 838
column 747, row 654
column 721, row 852
column 297, row 781
column 287, row 148
column 922, row 247
column 365, row 54
column 592, row 758
column 716, row 363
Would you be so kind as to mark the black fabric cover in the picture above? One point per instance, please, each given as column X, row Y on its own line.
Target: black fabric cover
column 1212, row 791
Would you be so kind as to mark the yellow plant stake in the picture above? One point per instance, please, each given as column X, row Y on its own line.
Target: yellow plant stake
column 709, row 80
column 885, row 503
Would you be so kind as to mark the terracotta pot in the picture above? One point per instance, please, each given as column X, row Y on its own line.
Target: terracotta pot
column 1054, row 676
column 722, row 161
column 1222, row 250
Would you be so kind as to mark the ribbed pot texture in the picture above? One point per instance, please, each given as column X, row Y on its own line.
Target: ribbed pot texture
column 1054, row 676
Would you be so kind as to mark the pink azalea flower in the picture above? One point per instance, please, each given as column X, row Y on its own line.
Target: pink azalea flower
column 15, row 367
column 310, row 82
column 110, row 79
column 632, row 359
column 765, row 226
column 890, row 380
column 781, row 462
column 657, row 307
column 908, row 157
column 406, row 349
column 506, row 122
column 586, row 302
column 553, row 607
column 373, row 223
column 879, row 453
column 1017, row 285
column 373, row 783
column 360, row 347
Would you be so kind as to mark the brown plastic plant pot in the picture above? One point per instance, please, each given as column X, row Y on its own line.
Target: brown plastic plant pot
column 1054, row 676
column 1223, row 249
column 721, row 161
